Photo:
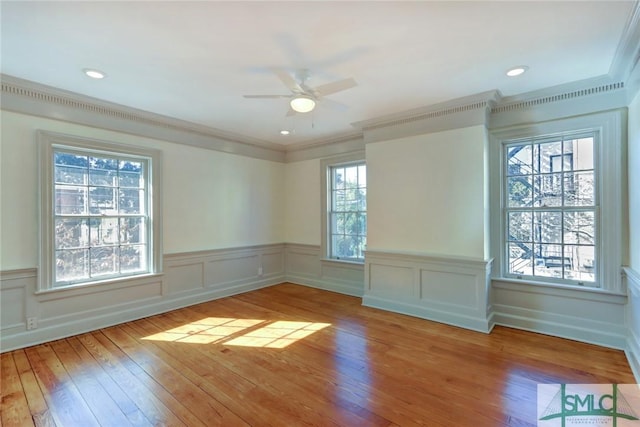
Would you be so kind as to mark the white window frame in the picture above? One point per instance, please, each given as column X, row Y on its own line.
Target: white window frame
column 609, row 173
column 326, row 166
column 48, row 144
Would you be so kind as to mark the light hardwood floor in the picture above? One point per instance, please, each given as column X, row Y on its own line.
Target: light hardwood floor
column 289, row 355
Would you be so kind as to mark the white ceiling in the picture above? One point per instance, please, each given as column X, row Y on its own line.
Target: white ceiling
column 195, row 60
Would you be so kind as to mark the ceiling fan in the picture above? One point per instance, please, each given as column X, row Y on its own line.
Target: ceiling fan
column 303, row 98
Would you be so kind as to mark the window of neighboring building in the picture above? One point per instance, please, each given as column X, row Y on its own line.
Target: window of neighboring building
column 558, row 189
column 345, row 208
column 99, row 215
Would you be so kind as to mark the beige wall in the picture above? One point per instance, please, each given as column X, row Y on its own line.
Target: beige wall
column 634, row 183
column 211, row 200
column 302, row 202
column 427, row 194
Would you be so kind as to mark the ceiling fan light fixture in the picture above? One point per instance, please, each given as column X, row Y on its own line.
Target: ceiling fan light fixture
column 303, row 104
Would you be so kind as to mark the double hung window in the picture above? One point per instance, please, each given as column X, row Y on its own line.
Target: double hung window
column 98, row 212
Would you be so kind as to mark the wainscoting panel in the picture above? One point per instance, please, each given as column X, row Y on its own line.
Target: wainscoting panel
column 584, row 315
column 448, row 290
column 189, row 278
column 633, row 321
column 14, row 287
column 184, row 277
column 305, row 266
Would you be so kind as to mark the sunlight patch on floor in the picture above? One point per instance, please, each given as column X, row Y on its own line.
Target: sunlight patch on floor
column 240, row 332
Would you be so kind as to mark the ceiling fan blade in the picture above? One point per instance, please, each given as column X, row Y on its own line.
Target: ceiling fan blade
column 267, row 96
column 333, row 105
column 340, row 85
column 288, row 81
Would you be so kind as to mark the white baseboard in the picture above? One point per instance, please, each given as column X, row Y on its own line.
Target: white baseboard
column 416, row 310
column 570, row 328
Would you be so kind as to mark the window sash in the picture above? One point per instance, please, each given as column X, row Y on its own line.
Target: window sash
column 347, row 212
column 94, row 257
column 125, row 233
column 527, row 254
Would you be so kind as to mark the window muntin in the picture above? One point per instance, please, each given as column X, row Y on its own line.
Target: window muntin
column 101, row 222
column 551, row 215
column 347, row 211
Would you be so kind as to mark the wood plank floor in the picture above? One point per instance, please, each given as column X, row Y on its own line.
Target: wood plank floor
column 289, row 355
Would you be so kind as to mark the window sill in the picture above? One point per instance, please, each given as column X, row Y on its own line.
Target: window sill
column 98, row 286
column 344, row 263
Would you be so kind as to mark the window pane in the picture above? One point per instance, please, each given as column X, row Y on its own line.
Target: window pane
column 70, row 175
column 104, row 261
column 339, row 201
column 362, row 199
column 68, row 159
column 549, row 192
column 548, row 260
column 520, row 258
column 103, row 231
column 103, row 171
column 519, row 160
column 337, row 223
column 351, row 177
column 548, row 227
column 362, row 224
column 72, row 265
column 579, row 227
column 579, row 189
column 343, row 246
column 519, row 224
column 520, row 193
column 338, row 178
column 71, row 233
column 133, row 258
column 582, row 150
column 70, row 200
column 130, row 174
column 362, row 176
column 102, row 201
column 131, row 201
column 582, row 261
column 132, row 230
column 545, row 152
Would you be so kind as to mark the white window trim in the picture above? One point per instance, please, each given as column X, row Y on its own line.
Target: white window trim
column 610, row 174
column 325, row 177
column 47, row 143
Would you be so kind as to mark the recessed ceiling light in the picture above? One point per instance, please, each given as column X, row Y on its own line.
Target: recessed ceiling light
column 94, row 74
column 284, row 132
column 516, row 71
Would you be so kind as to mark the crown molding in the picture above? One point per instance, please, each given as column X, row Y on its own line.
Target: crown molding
column 456, row 113
column 458, row 105
column 627, row 55
column 23, row 96
column 571, row 99
column 326, row 147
